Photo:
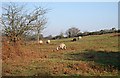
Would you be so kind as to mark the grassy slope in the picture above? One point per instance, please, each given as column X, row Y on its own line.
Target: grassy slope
column 92, row 55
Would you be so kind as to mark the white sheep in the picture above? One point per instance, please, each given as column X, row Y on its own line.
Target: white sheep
column 48, row 41
column 79, row 37
column 40, row 42
column 61, row 46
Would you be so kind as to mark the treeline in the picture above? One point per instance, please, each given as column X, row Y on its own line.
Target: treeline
column 106, row 31
column 33, row 37
column 100, row 32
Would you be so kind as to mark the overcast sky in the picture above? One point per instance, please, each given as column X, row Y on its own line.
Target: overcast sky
column 87, row 16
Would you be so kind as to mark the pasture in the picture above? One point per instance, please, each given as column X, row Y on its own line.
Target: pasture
column 96, row 55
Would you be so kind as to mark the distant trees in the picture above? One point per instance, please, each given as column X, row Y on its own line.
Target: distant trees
column 33, row 37
column 100, row 32
column 17, row 22
column 49, row 37
column 86, row 33
column 72, row 32
column 60, row 36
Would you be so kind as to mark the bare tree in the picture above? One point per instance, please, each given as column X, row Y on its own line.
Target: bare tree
column 40, row 25
column 72, row 32
column 16, row 21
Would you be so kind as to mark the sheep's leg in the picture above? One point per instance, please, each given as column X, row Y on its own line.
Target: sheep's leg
column 57, row 48
column 65, row 47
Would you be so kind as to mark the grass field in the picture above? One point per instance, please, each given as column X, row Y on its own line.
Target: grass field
column 96, row 55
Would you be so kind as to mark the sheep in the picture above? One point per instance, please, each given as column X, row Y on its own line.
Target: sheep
column 61, row 46
column 40, row 42
column 79, row 37
column 48, row 41
column 74, row 39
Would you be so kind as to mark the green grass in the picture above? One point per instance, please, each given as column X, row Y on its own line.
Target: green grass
column 91, row 56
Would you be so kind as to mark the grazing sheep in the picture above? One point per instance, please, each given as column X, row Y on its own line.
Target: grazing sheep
column 61, row 46
column 74, row 39
column 48, row 41
column 40, row 42
column 79, row 37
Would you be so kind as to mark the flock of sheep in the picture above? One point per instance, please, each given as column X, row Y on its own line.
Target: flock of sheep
column 61, row 45
column 41, row 42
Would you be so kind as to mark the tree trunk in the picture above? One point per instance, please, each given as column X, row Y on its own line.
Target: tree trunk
column 38, row 36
